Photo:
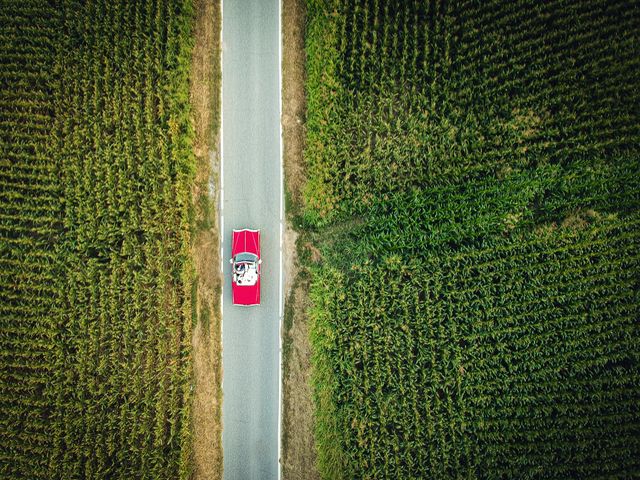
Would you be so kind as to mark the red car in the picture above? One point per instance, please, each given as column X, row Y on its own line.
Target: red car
column 245, row 267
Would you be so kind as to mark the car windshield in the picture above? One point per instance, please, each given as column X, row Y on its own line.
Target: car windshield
column 246, row 257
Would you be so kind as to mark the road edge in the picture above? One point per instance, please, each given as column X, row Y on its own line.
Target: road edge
column 281, row 271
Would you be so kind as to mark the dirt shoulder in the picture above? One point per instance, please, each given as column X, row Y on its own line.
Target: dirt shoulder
column 293, row 97
column 206, row 340
column 298, row 447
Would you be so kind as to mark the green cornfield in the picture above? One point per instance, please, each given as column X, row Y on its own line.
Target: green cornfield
column 406, row 95
column 474, row 190
column 515, row 360
column 96, row 167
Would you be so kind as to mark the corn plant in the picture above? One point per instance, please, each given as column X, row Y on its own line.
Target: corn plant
column 473, row 188
column 95, row 282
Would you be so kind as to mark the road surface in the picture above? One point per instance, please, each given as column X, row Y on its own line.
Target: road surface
column 251, row 198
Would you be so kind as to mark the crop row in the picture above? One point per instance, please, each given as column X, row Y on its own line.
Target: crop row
column 491, row 362
column 30, row 218
column 95, row 278
column 424, row 93
column 473, row 190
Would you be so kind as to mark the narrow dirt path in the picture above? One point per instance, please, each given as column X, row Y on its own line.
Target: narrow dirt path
column 298, row 447
column 206, row 340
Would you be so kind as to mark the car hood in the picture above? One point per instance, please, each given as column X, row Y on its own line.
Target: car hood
column 245, row 241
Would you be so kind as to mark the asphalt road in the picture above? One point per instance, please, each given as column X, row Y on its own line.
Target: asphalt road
column 251, row 198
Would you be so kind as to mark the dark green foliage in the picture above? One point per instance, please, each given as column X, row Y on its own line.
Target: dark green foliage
column 406, row 95
column 519, row 360
column 95, row 292
column 474, row 188
column 30, row 223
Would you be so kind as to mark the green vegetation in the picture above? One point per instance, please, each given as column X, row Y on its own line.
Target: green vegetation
column 490, row 362
column 474, row 189
column 96, row 167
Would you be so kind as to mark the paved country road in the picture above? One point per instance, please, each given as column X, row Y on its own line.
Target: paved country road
column 251, row 198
